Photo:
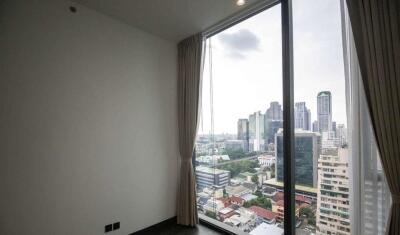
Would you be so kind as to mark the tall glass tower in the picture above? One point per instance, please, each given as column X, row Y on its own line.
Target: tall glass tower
column 324, row 111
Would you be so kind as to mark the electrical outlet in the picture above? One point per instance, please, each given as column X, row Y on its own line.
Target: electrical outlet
column 108, row 228
column 116, row 226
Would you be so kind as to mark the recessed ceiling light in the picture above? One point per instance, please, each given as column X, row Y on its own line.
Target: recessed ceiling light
column 240, row 2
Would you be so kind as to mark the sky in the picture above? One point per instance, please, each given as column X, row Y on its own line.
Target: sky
column 246, row 64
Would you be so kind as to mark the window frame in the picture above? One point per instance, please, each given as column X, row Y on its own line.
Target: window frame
column 288, row 96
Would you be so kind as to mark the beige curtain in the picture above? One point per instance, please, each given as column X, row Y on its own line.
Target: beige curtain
column 189, row 80
column 376, row 29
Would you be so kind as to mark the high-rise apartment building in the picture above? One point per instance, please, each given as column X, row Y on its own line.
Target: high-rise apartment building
column 334, row 128
column 302, row 116
column 307, row 150
column 341, row 133
column 315, row 127
column 333, row 210
column 256, row 131
column 273, row 121
column 243, row 132
column 324, row 111
column 271, row 128
column 274, row 112
column 243, row 129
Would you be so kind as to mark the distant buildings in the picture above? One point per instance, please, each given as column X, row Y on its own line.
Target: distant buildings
column 236, row 145
column 324, row 111
column 266, row 160
column 243, row 129
column 333, row 193
column 315, row 126
column 302, row 116
column 271, row 128
column 238, row 190
column 267, row 216
column 273, row 121
column 307, row 150
column 265, row 228
column 329, row 140
column 341, row 134
column 256, row 131
column 206, row 176
column 274, row 112
column 243, row 132
column 214, row 159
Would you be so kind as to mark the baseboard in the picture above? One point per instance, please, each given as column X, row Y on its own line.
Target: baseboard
column 170, row 221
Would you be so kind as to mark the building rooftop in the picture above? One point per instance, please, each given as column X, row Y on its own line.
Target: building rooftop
column 248, row 197
column 237, row 200
column 236, row 190
column 274, row 183
column 268, row 190
column 266, row 214
column 251, row 186
column 280, row 203
column 210, row 170
column 247, row 174
column 299, row 198
column 265, row 228
column 225, row 210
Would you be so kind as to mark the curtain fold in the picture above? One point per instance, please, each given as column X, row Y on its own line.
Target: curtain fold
column 189, row 81
column 376, row 27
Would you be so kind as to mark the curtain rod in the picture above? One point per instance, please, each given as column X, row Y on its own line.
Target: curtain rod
column 237, row 17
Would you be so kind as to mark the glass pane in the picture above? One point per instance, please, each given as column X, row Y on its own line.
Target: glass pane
column 240, row 134
column 321, row 148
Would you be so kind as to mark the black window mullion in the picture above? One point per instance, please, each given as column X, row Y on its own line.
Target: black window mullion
column 288, row 118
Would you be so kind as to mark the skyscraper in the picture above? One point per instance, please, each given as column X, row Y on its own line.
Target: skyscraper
column 333, row 209
column 243, row 132
column 341, row 132
column 256, row 131
column 315, row 127
column 273, row 121
column 334, row 128
column 307, row 150
column 302, row 116
column 324, row 111
column 274, row 112
column 271, row 128
column 243, row 129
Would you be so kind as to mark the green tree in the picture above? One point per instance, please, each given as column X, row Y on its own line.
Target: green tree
column 211, row 214
column 258, row 193
column 260, row 201
column 239, row 167
column 273, row 167
column 306, row 211
column 224, row 193
column 311, row 221
column 254, row 179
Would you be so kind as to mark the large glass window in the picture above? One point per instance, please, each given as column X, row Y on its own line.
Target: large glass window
column 339, row 186
column 241, row 115
column 321, row 147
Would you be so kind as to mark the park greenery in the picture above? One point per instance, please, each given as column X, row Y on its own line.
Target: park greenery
column 237, row 154
column 239, row 167
column 211, row 214
column 306, row 212
column 254, row 179
column 261, row 201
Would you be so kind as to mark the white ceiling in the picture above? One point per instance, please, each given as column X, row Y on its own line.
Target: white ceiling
column 170, row 19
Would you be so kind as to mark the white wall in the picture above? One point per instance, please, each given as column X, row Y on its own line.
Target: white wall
column 87, row 122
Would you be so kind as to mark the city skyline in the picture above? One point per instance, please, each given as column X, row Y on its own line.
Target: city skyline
column 301, row 104
column 247, row 65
